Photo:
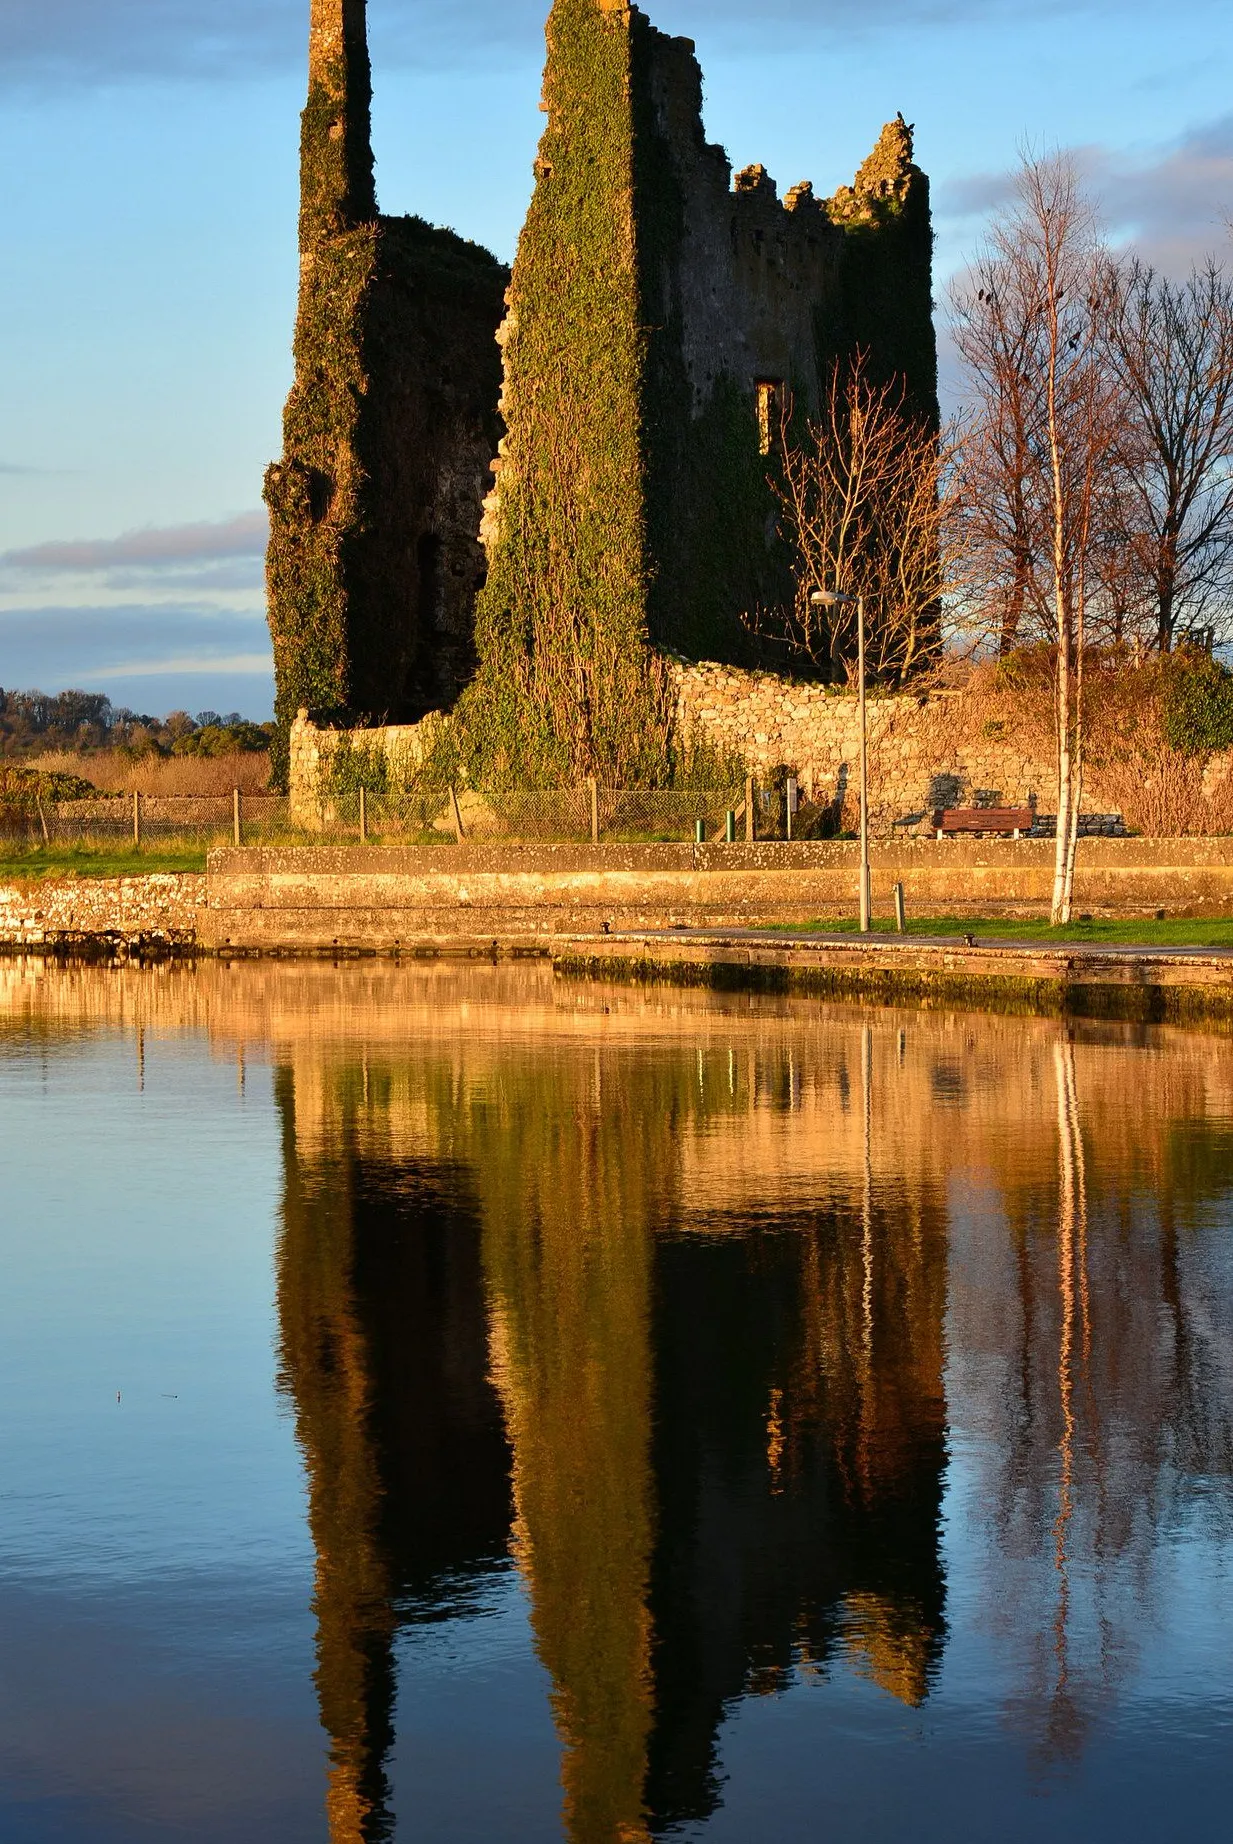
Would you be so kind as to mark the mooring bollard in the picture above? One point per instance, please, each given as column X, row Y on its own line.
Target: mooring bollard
column 901, row 913
column 136, row 819
column 237, row 817
column 363, row 816
column 731, row 826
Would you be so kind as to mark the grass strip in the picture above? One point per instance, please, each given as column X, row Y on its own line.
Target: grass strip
column 1129, row 931
column 38, row 863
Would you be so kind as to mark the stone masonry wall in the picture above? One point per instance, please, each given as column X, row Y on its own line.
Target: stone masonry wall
column 157, row 911
column 923, row 752
column 404, row 746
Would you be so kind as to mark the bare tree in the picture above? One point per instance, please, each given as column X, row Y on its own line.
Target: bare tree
column 1172, row 349
column 998, row 334
column 867, row 504
column 1042, row 447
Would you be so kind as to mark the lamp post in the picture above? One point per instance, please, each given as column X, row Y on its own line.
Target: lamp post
column 833, row 598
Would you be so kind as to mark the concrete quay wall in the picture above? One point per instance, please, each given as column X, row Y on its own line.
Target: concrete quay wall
column 380, row 899
column 312, row 900
column 1176, row 984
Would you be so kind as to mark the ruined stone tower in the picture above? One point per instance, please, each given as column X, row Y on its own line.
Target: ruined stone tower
column 661, row 318
column 390, row 427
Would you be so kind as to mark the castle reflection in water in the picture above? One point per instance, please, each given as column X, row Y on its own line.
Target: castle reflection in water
column 675, row 1302
column 724, row 1323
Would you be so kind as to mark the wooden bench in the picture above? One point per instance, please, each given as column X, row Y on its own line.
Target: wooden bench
column 1014, row 820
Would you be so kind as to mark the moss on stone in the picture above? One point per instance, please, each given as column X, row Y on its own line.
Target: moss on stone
column 567, row 685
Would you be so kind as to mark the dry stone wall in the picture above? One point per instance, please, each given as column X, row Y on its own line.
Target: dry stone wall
column 923, row 752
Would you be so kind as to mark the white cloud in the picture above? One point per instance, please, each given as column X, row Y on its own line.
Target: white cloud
column 1172, row 205
column 179, row 664
column 152, row 547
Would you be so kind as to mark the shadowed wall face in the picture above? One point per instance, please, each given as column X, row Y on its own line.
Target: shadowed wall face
column 375, row 506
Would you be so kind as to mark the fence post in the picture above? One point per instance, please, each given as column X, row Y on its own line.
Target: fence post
column 136, row 819
column 901, row 915
column 237, row 817
column 456, row 811
column 700, row 833
column 363, row 816
column 730, row 827
column 42, row 817
column 750, row 829
column 593, row 785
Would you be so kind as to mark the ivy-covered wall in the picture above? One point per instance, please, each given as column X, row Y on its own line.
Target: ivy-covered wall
column 653, row 300
column 567, row 685
column 374, row 557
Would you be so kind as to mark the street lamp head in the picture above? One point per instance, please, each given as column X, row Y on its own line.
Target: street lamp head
column 832, row 598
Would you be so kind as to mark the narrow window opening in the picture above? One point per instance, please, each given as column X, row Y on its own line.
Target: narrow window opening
column 770, row 412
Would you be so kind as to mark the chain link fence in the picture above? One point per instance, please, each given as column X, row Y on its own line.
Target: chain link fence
column 514, row 816
column 579, row 815
column 189, row 820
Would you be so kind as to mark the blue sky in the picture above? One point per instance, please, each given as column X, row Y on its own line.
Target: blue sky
column 148, row 226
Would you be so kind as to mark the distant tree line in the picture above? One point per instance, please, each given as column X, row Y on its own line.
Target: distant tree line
column 34, row 722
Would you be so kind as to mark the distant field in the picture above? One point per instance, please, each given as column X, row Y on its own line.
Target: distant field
column 1213, row 934
column 113, row 773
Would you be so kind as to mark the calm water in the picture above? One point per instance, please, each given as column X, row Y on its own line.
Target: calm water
column 444, row 1405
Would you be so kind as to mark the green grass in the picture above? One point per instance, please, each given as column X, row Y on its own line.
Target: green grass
column 1133, row 932
column 38, row 862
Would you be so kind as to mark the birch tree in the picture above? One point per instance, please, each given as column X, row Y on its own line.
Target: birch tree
column 1042, row 454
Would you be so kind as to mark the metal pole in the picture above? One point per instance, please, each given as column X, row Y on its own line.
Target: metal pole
column 237, row 817
column 136, row 819
column 730, row 826
column 593, row 785
column 750, row 833
column 866, row 885
column 363, row 816
column 901, row 913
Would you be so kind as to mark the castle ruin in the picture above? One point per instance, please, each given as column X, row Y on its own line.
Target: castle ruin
column 660, row 321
